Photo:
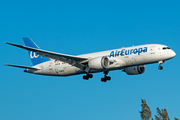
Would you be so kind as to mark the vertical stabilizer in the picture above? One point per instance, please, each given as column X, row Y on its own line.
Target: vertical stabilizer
column 35, row 58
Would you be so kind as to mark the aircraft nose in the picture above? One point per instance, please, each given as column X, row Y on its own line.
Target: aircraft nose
column 173, row 54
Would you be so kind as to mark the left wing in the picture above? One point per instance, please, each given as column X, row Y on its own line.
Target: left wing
column 19, row 66
column 72, row 60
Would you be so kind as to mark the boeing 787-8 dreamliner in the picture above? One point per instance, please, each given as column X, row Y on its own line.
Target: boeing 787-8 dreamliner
column 131, row 60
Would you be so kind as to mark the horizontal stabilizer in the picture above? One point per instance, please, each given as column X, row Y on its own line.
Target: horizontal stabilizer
column 22, row 67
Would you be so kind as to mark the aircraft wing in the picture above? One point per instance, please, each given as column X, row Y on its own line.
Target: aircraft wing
column 22, row 66
column 72, row 60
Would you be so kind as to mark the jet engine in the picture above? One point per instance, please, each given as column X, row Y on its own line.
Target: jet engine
column 135, row 70
column 99, row 63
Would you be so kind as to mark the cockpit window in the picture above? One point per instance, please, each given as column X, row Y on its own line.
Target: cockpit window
column 164, row 48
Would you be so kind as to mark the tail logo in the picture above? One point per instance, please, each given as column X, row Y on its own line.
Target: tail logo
column 33, row 55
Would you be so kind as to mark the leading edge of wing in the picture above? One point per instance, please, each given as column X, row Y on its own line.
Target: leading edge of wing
column 48, row 53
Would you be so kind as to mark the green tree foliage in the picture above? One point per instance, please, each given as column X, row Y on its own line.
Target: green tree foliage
column 162, row 114
column 146, row 113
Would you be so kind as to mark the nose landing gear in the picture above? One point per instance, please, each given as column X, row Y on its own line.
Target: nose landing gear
column 106, row 78
column 160, row 63
column 160, row 67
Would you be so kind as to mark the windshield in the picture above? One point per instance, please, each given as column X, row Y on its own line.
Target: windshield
column 164, row 48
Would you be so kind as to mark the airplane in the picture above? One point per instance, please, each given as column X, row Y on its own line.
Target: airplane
column 131, row 60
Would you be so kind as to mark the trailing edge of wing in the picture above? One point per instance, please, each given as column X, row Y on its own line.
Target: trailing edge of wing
column 22, row 66
column 72, row 60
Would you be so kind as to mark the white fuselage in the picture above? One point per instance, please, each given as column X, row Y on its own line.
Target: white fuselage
column 119, row 58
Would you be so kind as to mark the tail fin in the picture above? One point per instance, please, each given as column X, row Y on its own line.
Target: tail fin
column 35, row 58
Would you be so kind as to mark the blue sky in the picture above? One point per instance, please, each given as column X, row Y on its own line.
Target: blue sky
column 78, row 27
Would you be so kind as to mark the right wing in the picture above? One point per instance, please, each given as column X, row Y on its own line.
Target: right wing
column 72, row 60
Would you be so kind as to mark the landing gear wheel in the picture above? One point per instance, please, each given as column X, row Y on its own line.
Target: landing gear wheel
column 90, row 76
column 108, row 78
column 103, row 80
column 85, row 77
column 160, row 63
column 160, row 67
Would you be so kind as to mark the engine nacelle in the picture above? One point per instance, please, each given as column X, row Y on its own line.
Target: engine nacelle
column 135, row 70
column 99, row 63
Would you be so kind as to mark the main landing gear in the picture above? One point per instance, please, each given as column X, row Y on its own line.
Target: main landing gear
column 86, row 77
column 106, row 78
column 160, row 63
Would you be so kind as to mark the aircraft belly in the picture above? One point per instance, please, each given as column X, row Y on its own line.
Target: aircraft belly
column 65, row 70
